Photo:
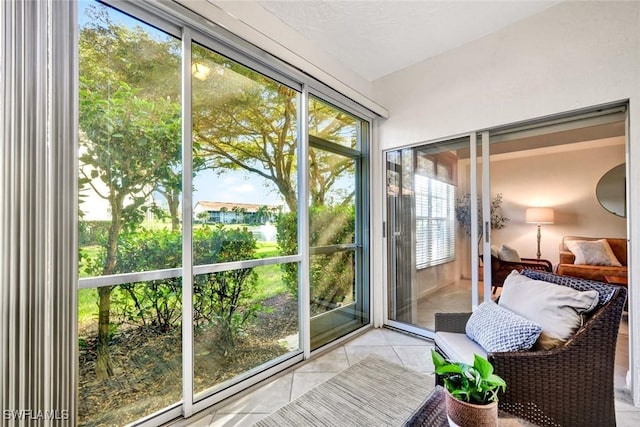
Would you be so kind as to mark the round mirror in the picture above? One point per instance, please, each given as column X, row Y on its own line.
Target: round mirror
column 611, row 191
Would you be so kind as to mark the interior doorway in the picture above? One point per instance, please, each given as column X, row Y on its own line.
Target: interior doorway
column 554, row 163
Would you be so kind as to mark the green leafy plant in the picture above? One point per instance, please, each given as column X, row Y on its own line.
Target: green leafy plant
column 473, row 384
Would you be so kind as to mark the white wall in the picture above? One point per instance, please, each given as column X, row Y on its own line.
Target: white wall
column 571, row 56
column 560, row 181
column 574, row 55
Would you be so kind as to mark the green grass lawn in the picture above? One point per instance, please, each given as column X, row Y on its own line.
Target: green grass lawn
column 87, row 305
column 267, row 249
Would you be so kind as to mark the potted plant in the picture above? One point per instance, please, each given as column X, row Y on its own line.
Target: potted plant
column 472, row 391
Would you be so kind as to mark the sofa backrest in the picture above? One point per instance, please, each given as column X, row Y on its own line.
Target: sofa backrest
column 618, row 245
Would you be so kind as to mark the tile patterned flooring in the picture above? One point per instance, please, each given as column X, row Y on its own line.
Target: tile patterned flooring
column 397, row 347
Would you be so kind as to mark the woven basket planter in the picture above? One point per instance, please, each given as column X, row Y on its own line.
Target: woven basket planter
column 463, row 414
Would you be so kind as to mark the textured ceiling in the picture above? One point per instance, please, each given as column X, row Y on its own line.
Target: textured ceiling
column 376, row 38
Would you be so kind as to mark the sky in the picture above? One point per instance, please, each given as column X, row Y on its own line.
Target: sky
column 236, row 187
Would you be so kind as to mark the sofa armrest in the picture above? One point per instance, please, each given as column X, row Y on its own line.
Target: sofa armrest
column 451, row 322
column 567, row 257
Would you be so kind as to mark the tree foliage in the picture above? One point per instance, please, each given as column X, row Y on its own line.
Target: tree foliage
column 130, row 132
column 243, row 120
column 331, row 275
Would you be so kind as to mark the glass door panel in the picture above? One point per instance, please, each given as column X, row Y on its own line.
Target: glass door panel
column 429, row 232
column 339, row 295
column 245, row 295
column 129, row 301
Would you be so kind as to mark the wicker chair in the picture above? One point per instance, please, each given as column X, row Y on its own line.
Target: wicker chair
column 501, row 269
column 568, row 386
column 432, row 412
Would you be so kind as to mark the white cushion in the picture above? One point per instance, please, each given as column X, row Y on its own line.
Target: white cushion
column 593, row 252
column 507, row 253
column 459, row 347
column 557, row 309
column 498, row 329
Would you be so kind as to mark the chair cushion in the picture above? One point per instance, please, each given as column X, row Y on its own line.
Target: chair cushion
column 458, row 347
column 557, row 309
column 498, row 329
column 597, row 252
column 604, row 290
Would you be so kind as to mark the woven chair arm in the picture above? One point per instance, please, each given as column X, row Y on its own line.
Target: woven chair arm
column 432, row 412
column 451, row 322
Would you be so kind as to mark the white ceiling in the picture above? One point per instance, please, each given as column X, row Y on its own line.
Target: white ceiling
column 375, row 38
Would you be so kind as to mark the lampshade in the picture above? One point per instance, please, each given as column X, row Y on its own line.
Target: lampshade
column 539, row 215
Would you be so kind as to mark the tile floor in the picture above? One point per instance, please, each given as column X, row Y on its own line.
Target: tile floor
column 395, row 346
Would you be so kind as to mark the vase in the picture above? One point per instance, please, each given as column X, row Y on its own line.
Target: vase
column 463, row 414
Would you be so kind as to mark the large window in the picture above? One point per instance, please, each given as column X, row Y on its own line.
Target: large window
column 192, row 160
column 435, row 211
column 130, row 190
column 245, row 143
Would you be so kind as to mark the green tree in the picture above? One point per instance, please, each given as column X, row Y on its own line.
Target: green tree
column 130, row 132
column 245, row 121
column 262, row 215
column 113, row 52
column 125, row 139
column 203, row 217
column 329, row 124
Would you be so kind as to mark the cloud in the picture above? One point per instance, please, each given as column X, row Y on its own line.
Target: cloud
column 243, row 188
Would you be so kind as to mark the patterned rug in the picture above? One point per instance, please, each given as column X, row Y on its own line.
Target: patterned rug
column 372, row 392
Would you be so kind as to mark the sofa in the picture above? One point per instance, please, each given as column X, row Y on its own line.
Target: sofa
column 569, row 267
column 568, row 384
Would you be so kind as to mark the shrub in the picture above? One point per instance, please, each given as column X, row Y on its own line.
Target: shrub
column 222, row 299
column 92, row 233
column 331, row 275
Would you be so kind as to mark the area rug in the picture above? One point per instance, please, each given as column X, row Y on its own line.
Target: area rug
column 372, row 392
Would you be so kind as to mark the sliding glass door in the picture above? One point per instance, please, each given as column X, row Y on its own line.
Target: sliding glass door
column 433, row 232
column 499, row 177
column 339, row 291
column 244, row 159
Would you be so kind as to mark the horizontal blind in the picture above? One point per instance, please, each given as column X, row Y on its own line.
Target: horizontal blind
column 435, row 232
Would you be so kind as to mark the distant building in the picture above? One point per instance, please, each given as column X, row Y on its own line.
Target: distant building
column 234, row 213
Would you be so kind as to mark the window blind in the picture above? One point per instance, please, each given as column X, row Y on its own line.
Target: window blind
column 435, row 227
